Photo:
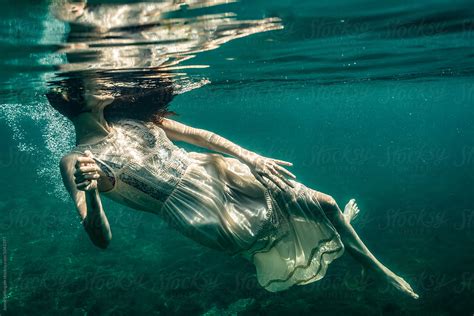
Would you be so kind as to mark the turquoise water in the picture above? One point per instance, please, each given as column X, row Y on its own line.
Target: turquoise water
column 372, row 100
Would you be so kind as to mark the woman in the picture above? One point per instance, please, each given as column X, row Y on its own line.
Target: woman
column 248, row 205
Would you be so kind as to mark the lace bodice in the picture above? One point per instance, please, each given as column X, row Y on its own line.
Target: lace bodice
column 140, row 155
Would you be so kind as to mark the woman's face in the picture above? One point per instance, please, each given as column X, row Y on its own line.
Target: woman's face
column 96, row 99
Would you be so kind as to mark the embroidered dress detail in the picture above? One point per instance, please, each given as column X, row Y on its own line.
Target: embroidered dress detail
column 140, row 155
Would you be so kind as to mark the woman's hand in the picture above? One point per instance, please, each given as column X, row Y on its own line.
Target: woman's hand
column 87, row 172
column 271, row 169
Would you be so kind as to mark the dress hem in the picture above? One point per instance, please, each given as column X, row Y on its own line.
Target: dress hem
column 323, row 264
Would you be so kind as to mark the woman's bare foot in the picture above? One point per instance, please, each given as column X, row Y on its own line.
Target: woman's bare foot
column 402, row 285
column 351, row 210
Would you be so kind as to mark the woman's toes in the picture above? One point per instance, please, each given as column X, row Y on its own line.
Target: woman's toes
column 404, row 286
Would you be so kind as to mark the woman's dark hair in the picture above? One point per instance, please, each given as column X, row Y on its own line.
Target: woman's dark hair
column 67, row 97
column 144, row 99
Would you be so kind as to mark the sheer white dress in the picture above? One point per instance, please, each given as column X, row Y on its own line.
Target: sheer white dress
column 217, row 202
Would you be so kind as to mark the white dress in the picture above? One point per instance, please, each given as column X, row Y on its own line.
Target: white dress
column 217, row 202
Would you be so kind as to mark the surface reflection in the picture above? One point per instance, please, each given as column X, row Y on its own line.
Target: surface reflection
column 133, row 44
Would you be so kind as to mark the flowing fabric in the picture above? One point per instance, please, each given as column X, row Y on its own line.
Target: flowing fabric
column 217, row 202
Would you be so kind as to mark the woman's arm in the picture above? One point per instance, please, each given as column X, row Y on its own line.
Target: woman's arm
column 80, row 176
column 260, row 166
column 206, row 139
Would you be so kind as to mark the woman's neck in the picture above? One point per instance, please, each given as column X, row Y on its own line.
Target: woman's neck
column 90, row 127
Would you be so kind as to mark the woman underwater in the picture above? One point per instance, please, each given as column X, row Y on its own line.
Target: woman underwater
column 247, row 204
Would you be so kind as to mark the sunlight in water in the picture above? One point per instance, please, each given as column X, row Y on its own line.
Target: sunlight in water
column 123, row 46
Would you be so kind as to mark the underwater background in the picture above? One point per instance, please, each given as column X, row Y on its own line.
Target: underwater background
column 372, row 100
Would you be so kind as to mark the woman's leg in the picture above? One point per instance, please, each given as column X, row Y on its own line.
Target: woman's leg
column 354, row 244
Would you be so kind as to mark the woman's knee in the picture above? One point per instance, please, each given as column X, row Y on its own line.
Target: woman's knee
column 327, row 202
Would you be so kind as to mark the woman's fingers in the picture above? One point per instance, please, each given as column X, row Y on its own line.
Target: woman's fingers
column 280, row 168
column 89, row 176
column 278, row 182
column 282, row 162
column 87, row 159
column 87, row 185
column 260, row 179
column 269, row 169
column 288, row 182
column 87, row 169
column 275, row 171
column 80, row 161
column 91, row 186
column 83, row 185
column 87, row 172
column 285, row 180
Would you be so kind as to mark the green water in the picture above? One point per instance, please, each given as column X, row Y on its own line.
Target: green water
column 369, row 100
